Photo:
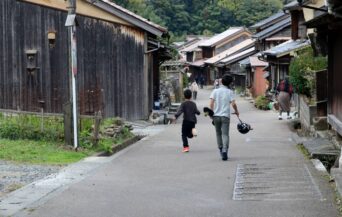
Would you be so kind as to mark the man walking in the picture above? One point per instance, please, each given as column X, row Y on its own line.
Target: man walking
column 220, row 101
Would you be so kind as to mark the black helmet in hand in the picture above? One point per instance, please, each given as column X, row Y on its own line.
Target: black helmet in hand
column 243, row 127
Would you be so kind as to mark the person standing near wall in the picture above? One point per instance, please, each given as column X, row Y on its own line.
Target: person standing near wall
column 284, row 94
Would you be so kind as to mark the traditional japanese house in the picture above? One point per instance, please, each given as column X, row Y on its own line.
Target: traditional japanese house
column 190, row 40
column 219, row 71
column 279, row 57
column 272, row 31
column 268, row 33
column 214, row 46
column 118, row 58
column 232, row 66
column 194, row 57
column 327, row 40
column 256, row 81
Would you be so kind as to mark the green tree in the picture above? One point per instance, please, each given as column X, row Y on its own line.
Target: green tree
column 184, row 17
column 248, row 12
column 303, row 70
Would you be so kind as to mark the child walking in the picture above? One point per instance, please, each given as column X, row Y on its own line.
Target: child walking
column 190, row 110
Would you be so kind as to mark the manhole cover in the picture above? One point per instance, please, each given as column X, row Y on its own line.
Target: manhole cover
column 258, row 182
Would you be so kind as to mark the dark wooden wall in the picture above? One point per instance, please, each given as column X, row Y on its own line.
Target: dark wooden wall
column 335, row 73
column 322, row 92
column 110, row 63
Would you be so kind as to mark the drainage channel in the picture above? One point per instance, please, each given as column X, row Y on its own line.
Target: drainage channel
column 261, row 182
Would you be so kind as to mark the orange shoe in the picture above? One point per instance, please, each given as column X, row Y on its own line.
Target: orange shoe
column 185, row 149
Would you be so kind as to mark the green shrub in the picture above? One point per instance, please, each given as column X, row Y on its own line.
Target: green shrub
column 302, row 71
column 106, row 145
column 51, row 129
column 31, row 127
column 261, row 102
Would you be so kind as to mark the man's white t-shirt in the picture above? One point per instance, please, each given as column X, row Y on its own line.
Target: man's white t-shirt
column 222, row 96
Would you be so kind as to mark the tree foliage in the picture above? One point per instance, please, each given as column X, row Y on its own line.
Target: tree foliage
column 185, row 17
column 303, row 69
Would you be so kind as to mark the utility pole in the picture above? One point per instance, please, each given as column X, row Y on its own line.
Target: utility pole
column 71, row 24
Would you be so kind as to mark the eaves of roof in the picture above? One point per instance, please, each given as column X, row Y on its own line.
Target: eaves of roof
column 273, row 29
column 238, row 56
column 129, row 16
column 193, row 47
column 285, row 48
column 198, row 63
column 226, row 35
column 269, row 21
column 248, row 43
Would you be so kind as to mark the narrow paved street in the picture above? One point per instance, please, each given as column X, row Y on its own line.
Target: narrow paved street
column 265, row 176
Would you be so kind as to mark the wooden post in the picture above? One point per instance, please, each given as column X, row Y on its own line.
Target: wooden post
column 98, row 119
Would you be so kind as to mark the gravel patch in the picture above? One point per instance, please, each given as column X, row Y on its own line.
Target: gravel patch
column 14, row 176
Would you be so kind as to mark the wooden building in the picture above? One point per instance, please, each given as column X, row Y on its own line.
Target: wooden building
column 327, row 40
column 279, row 57
column 220, row 71
column 256, row 75
column 272, row 31
column 194, row 57
column 118, row 58
column 214, row 46
column 231, row 65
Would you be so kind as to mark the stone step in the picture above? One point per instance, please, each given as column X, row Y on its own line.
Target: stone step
column 321, row 146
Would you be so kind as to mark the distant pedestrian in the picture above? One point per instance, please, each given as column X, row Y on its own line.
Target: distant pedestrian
column 197, row 79
column 220, row 101
column 217, row 83
column 194, row 89
column 284, row 94
column 202, row 81
column 189, row 110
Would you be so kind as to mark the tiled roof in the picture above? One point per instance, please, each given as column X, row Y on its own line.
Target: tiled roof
column 193, row 47
column 243, row 45
column 286, row 47
column 238, row 56
column 268, row 21
column 273, row 29
column 219, row 37
column 129, row 16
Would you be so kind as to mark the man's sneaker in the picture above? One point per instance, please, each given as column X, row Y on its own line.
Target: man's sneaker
column 289, row 117
column 220, row 151
column 280, row 117
column 185, row 149
column 224, row 156
column 194, row 132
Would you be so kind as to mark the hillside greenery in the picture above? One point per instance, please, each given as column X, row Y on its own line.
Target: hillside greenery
column 202, row 17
